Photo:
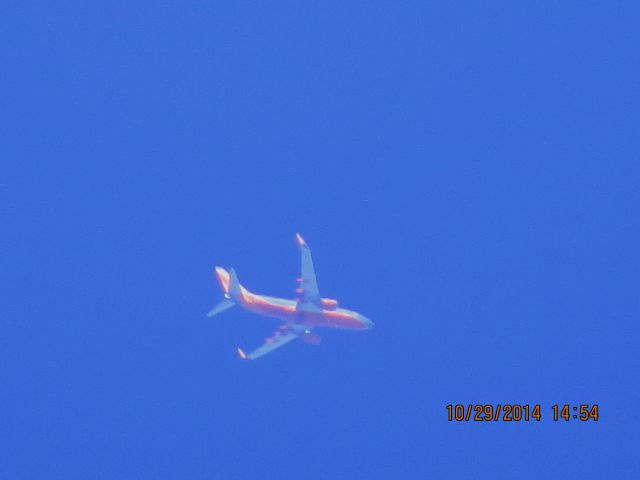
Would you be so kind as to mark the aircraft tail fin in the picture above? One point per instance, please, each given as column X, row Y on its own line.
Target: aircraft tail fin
column 236, row 291
column 233, row 292
column 224, row 279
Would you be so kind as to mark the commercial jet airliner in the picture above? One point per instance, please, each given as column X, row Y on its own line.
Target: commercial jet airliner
column 299, row 316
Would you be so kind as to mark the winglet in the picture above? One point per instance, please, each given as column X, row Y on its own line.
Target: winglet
column 300, row 240
column 241, row 354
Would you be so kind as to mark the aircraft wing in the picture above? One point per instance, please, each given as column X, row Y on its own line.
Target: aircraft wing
column 308, row 290
column 281, row 337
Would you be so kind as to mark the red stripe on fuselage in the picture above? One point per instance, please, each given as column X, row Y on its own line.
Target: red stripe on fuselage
column 289, row 313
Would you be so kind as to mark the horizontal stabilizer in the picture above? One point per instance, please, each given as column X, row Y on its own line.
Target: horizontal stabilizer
column 225, row 304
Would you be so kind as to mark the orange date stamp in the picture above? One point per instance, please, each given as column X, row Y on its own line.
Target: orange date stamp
column 517, row 412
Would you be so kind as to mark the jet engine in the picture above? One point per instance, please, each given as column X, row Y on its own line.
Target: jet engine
column 328, row 303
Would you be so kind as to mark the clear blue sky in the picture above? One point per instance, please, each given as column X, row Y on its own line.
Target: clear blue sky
column 466, row 175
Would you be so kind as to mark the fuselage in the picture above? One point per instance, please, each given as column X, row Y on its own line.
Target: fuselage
column 288, row 311
column 292, row 312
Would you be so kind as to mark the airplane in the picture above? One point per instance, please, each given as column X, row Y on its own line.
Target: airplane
column 300, row 316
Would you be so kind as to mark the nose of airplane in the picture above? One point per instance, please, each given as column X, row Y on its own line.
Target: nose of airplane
column 367, row 322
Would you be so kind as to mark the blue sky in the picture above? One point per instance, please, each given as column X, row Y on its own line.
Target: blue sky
column 466, row 176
